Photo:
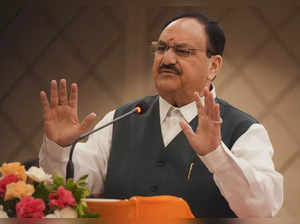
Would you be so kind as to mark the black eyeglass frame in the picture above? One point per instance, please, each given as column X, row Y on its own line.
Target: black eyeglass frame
column 187, row 52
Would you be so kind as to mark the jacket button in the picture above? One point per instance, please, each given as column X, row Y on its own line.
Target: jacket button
column 161, row 163
column 154, row 188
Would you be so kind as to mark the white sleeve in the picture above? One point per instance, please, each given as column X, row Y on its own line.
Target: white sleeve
column 246, row 175
column 89, row 158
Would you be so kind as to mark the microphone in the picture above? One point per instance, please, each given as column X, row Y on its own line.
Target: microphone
column 139, row 109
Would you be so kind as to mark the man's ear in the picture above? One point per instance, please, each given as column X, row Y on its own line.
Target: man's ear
column 216, row 62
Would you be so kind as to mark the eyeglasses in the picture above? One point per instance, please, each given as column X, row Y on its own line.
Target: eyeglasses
column 181, row 51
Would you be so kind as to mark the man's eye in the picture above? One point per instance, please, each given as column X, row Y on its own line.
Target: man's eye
column 161, row 48
column 183, row 52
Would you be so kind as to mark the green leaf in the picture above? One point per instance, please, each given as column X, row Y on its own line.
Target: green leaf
column 82, row 184
column 10, row 207
column 80, row 193
column 58, row 181
column 91, row 215
column 83, row 178
column 82, row 211
column 42, row 192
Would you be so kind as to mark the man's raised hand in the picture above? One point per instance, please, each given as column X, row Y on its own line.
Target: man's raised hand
column 60, row 116
column 208, row 134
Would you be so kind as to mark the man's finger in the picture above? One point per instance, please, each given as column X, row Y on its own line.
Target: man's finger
column 211, row 104
column 199, row 105
column 217, row 116
column 63, row 98
column 53, row 93
column 44, row 102
column 187, row 130
column 74, row 95
column 87, row 122
column 207, row 102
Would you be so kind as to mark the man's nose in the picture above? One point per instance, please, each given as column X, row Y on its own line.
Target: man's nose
column 169, row 57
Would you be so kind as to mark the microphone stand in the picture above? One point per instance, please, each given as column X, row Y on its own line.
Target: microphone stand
column 70, row 165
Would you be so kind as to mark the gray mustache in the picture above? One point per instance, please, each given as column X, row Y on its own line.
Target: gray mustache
column 169, row 67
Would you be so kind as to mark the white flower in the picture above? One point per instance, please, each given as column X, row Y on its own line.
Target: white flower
column 63, row 213
column 51, row 216
column 38, row 175
column 3, row 214
column 67, row 213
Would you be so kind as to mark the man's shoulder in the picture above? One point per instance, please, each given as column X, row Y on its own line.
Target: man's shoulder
column 226, row 109
column 235, row 122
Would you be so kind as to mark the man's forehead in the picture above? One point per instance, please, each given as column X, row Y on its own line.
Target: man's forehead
column 184, row 30
column 191, row 24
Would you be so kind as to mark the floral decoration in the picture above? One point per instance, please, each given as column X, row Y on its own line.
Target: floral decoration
column 5, row 181
column 13, row 168
column 18, row 190
column 62, row 198
column 36, row 194
column 3, row 214
column 38, row 175
column 30, row 207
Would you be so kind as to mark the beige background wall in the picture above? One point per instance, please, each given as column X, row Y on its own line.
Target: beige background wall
column 105, row 48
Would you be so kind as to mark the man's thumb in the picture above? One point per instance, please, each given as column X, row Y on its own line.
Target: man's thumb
column 187, row 130
column 87, row 122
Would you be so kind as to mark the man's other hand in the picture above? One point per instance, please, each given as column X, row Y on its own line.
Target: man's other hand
column 208, row 134
column 60, row 116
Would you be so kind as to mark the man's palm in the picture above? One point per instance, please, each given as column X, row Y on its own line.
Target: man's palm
column 208, row 134
column 61, row 122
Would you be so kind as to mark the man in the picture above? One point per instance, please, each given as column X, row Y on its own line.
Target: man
column 221, row 163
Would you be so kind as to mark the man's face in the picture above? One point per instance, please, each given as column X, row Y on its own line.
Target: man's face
column 193, row 71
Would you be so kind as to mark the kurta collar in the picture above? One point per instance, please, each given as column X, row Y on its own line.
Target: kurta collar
column 188, row 111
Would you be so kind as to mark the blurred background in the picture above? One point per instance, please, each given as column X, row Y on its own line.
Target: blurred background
column 105, row 48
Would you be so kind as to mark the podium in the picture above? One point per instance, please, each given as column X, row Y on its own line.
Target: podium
column 141, row 208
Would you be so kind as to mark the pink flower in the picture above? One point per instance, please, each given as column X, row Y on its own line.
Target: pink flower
column 62, row 198
column 5, row 181
column 30, row 207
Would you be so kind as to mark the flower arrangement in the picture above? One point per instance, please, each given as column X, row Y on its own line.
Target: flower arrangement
column 35, row 194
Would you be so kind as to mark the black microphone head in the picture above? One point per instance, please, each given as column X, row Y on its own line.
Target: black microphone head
column 142, row 107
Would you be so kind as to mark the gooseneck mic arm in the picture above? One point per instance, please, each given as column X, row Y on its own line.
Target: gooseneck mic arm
column 139, row 109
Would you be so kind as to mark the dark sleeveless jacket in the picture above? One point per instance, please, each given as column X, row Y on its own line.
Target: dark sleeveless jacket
column 139, row 164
